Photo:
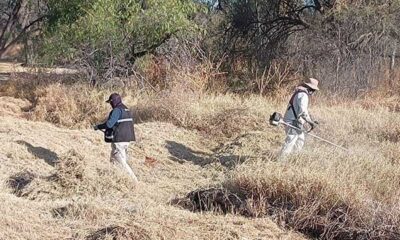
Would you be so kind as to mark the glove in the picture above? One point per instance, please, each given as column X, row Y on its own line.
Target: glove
column 95, row 127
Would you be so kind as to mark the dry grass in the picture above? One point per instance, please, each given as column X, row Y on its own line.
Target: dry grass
column 324, row 196
column 214, row 115
column 101, row 202
column 10, row 106
column 61, row 100
column 191, row 142
column 76, row 106
column 79, row 106
column 118, row 232
column 323, row 192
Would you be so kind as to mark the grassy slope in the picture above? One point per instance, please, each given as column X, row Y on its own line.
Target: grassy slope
column 322, row 191
column 105, row 197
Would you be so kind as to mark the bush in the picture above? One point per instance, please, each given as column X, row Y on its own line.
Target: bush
column 76, row 106
column 111, row 35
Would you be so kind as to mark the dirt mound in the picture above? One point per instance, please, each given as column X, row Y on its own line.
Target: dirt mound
column 298, row 199
column 327, row 223
column 119, row 232
column 19, row 182
column 213, row 199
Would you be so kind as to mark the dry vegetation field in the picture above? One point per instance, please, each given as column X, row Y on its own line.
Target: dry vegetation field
column 206, row 163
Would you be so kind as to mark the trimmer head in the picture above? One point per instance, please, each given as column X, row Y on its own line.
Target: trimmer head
column 275, row 119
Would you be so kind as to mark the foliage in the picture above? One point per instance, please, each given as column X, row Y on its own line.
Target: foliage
column 350, row 47
column 256, row 29
column 347, row 45
column 112, row 34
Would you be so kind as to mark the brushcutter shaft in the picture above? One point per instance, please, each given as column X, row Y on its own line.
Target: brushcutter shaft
column 312, row 135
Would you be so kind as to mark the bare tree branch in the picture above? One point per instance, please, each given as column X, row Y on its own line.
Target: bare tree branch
column 10, row 21
column 19, row 36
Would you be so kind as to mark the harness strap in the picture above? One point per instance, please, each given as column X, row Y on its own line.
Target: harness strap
column 291, row 102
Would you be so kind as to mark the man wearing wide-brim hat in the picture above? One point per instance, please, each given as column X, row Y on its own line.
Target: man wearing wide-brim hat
column 297, row 115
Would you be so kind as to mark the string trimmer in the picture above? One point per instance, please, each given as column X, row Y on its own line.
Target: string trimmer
column 276, row 119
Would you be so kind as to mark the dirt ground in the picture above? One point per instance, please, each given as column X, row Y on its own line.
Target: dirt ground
column 7, row 67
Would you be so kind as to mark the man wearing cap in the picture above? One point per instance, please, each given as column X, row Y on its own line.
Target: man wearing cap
column 297, row 115
column 119, row 131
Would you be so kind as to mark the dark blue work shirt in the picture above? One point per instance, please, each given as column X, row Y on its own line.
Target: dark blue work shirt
column 115, row 115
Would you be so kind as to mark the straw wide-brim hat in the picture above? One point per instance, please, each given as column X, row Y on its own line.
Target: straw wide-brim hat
column 312, row 83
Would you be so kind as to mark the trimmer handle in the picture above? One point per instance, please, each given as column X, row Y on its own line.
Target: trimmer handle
column 311, row 128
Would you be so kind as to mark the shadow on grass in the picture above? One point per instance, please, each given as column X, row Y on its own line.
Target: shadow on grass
column 45, row 154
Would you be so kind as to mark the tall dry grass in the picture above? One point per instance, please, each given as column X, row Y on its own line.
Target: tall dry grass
column 73, row 104
column 61, row 100
column 324, row 195
column 79, row 105
column 322, row 192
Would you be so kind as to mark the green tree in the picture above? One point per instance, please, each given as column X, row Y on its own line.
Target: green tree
column 107, row 36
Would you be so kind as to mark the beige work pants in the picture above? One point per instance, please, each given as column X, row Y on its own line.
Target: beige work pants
column 119, row 157
column 294, row 141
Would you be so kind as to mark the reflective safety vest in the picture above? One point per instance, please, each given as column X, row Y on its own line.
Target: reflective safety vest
column 123, row 131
